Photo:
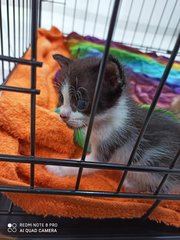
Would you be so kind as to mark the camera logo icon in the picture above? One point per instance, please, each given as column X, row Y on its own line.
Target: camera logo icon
column 12, row 227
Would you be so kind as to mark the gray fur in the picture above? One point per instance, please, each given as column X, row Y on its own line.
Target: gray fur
column 158, row 148
column 118, row 122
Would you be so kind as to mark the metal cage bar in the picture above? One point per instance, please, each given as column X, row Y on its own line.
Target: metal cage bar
column 34, row 15
column 157, row 202
column 19, row 29
column 152, row 107
column 149, row 20
column 169, row 20
column 127, row 21
column 175, row 30
column 85, row 17
column 98, row 87
column 8, row 33
column 95, row 20
column 157, row 28
column 2, row 50
column 33, row 18
column 23, row 27
column 137, row 24
column 87, row 164
column 14, row 28
column 107, row 18
column 108, row 194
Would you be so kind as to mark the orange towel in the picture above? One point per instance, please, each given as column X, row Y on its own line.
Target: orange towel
column 55, row 140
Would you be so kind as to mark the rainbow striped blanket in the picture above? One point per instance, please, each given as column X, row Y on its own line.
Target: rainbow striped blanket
column 144, row 70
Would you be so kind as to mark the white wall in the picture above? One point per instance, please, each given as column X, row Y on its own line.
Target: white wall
column 98, row 25
column 91, row 17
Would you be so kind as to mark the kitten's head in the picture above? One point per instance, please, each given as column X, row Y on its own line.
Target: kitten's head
column 76, row 86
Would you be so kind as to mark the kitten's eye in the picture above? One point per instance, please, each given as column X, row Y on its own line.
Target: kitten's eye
column 61, row 99
column 82, row 105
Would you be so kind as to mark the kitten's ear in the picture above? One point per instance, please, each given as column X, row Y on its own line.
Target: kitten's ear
column 114, row 75
column 62, row 61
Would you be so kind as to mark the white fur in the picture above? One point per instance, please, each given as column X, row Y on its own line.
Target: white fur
column 66, row 108
column 70, row 171
column 104, row 125
column 112, row 119
column 76, row 119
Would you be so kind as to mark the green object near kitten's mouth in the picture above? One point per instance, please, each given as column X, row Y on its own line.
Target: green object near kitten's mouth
column 79, row 135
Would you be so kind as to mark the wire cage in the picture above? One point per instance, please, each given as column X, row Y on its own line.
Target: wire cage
column 146, row 25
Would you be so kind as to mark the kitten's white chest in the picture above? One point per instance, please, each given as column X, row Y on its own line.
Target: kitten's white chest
column 122, row 154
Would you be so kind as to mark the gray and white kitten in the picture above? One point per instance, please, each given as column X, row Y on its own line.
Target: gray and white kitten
column 117, row 123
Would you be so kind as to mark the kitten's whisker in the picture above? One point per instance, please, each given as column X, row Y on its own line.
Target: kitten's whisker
column 58, row 84
column 84, row 123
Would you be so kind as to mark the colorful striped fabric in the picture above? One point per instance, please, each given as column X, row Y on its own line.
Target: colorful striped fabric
column 144, row 70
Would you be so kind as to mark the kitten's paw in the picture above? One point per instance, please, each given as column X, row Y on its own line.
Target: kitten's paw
column 61, row 171
column 55, row 170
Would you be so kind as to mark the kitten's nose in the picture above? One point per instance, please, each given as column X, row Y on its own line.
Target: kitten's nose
column 64, row 117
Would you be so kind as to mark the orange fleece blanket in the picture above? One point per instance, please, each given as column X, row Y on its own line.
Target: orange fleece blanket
column 55, row 140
